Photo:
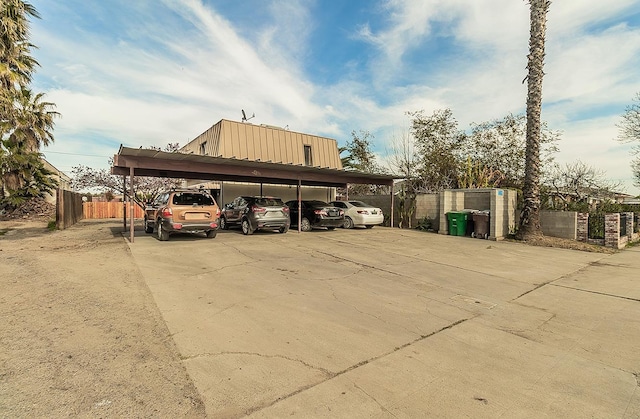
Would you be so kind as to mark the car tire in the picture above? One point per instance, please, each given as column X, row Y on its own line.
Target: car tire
column 224, row 225
column 369, row 226
column 283, row 229
column 147, row 227
column 348, row 222
column 212, row 234
column 163, row 235
column 305, row 225
column 246, row 227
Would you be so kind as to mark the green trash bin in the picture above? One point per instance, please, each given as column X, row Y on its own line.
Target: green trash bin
column 457, row 223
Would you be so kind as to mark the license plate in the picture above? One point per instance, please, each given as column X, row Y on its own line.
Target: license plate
column 196, row 215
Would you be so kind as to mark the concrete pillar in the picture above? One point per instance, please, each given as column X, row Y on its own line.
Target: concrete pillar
column 612, row 230
column 582, row 227
column 629, row 225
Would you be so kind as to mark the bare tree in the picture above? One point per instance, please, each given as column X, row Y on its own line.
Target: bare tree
column 498, row 147
column 144, row 188
column 530, row 215
column 574, row 183
column 404, row 162
column 630, row 132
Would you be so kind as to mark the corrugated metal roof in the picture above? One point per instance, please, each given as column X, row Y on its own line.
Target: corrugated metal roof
column 146, row 162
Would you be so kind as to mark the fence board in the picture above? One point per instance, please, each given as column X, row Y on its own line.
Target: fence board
column 68, row 208
column 100, row 210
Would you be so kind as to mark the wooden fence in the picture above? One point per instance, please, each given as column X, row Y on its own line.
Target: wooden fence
column 99, row 210
column 68, row 208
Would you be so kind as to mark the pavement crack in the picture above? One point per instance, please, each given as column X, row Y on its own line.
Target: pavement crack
column 550, row 282
column 324, row 371
column 384, row 409
column 598, row 292
column 355, row 366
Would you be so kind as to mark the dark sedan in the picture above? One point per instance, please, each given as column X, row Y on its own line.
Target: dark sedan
column 315, row 214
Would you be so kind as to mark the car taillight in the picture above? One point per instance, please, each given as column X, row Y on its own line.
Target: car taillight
column 285, row 209
column 167, row 212
column 218, row 212
column 320, row 212
column 341, row 213
column 256, row 208
column 365, row 212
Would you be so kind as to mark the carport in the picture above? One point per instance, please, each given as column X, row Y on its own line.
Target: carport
column 153, row 163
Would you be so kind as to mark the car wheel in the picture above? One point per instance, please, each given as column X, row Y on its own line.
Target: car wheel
column 369, row 227
column 163, row 235
column 305, row 225
column 348, row 222
column 211, row 234
column 223, row 223
column 283, row 229
column 147, row 227
column 246, row 227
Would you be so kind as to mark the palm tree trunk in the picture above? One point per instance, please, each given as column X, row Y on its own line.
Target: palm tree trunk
column 530, row 215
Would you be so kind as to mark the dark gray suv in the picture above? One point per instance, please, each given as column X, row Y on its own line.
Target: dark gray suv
column 256, row 213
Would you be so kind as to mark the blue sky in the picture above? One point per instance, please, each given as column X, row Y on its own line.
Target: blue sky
column 150, row 72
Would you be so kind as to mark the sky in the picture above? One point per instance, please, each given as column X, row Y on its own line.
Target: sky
column 151, row 72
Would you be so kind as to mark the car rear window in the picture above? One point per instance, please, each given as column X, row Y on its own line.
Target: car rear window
column 187, row 198
column 270, row 202
column 317, row 203
column 359, row 204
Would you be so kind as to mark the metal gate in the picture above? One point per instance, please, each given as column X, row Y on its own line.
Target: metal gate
column 596, row 226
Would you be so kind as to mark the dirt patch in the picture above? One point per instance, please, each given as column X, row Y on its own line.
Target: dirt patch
column 79, row 330
column 559, row 243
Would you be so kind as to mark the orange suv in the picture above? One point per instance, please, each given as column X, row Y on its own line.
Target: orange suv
column 182, row 211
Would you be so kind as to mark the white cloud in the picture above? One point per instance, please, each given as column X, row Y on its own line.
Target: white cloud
column 173, row 76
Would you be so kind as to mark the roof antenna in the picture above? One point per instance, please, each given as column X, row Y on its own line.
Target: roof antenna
column 244, row 116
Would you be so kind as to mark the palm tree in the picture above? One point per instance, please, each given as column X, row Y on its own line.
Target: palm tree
column 32, row 123
column 16, row 63
column 26, row 120
column 530, row 215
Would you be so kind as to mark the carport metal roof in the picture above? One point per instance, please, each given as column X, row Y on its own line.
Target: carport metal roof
column 153, row 163
column 145, row 162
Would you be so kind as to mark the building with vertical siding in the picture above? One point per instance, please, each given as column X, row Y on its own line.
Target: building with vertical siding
column 265, row 143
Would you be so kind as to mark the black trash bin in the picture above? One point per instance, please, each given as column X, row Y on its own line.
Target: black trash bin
column 481, row 224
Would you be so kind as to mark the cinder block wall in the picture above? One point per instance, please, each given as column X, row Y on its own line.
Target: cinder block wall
column 562, row 224
column 428, row 205
column 479, row 199
column 503, row 213
column 450, row 200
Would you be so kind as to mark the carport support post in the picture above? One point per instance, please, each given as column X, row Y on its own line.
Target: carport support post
column 299, row 203
column 392, row 203
column 124, row 203
column 131, row 226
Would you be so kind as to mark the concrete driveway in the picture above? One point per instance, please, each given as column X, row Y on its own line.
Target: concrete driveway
column 400, row 324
